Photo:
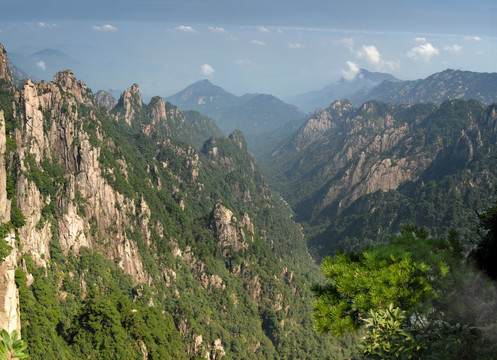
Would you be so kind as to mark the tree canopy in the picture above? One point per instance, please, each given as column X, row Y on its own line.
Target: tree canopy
column 406, row 293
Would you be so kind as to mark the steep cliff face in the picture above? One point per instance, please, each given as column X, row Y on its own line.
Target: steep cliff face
column 106, row 99
column 5, row 73
column 9, row 295
column 345, row 160
column 53, row 136
column 233, row 234
column 4, row 203
column 176, row 249
column 130, row 103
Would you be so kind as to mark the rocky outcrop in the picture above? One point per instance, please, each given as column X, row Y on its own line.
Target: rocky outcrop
column 10, row 319
column 157, row 110
column 4, row 203
column 52, row 132
column 233, row 235
column 216, row 351
column 106, row 99
column 70, row 85
column 130, row 103
column 9, row 295
column 5, row 73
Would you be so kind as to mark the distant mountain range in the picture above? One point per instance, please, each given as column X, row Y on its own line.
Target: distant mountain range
column 353, row 90
column 255, row 115
column 44, row 63
column 436, row 88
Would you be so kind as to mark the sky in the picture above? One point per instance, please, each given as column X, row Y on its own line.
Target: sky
column 283, row 47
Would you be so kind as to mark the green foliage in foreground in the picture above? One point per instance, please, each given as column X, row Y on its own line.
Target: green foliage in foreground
column 412, row 295
column 11, row 347
column 486, row 252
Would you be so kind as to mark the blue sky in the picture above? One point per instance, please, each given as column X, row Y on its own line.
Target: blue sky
column 278, row 47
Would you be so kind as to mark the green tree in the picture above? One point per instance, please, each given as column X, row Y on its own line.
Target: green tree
column 403, row 292
column 406, row 272
column 11, row 347
column 5, row 248
column 486, row 252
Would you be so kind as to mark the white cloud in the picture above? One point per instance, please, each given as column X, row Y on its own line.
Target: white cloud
column 220, row 30
column 454, row 48
column 185, row 28
column 41, row 64
column 105, row 28
column 47, row 26
column 262, row 29
column 420, row 40
column 295, row 45
column 352, row 72
column 258, row 42
column 216, row 29
column 475, row 38
column 206, row 69
column 424, row 51
column 371, row 53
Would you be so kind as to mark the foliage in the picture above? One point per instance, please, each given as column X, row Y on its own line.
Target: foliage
column 486, row 253
column 387, row 338
column 16, row 216
column 82, row 305
column 11, row 347
column 5, row 248
column 405, row 272
column 408, row 294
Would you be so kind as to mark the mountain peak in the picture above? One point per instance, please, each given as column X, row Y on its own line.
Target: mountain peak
column 131, row 102
column 106, row 99
column 369, row 76
column 202, row 95
column 5, row 73
column 70, row 84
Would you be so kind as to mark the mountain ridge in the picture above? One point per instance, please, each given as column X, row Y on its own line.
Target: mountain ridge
column 255, row 115
column 131, row 235
column 446, row 85
column 362, row 83
column 345, row 162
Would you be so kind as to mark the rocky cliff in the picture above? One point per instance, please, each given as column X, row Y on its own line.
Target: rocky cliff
column 106, row 99
column 5, row 73
column 52, row 136
column 9, row 295
column 173, row 249
column 345, row 163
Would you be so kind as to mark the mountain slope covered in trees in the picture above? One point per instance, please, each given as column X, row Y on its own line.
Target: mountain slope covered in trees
column 132, row 241
column 356, row 175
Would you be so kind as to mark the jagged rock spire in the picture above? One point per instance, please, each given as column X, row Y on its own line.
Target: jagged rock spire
column 70, row 84
column 5, row 73
column 131, row 102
